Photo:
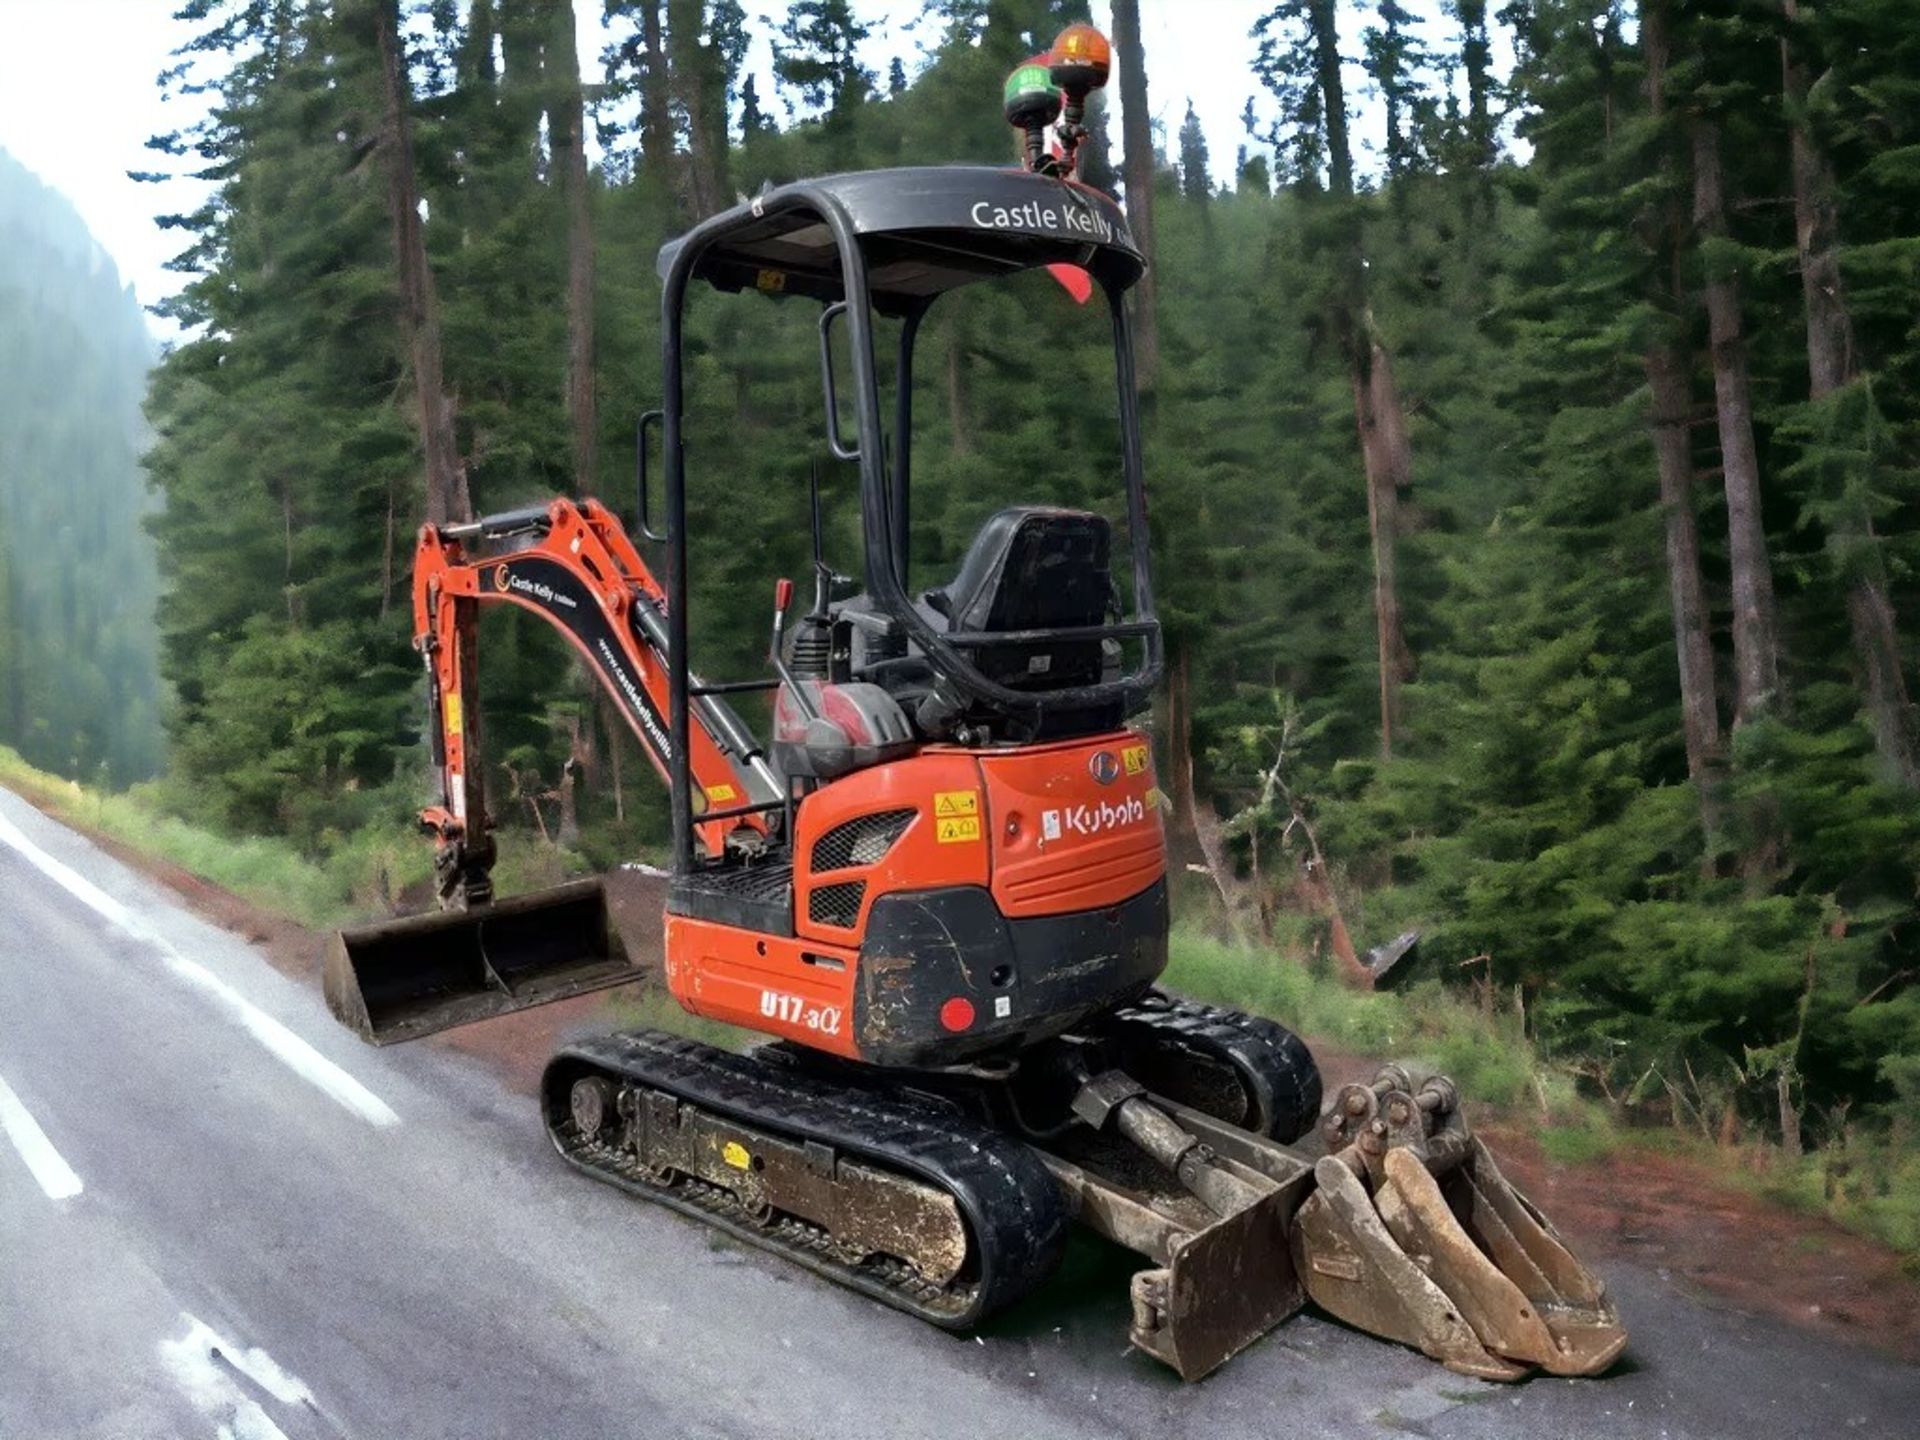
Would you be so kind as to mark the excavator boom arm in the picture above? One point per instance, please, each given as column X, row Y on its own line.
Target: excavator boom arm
column 573, row 565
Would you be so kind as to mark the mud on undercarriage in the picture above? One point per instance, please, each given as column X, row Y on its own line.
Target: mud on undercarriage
column 951, row 1198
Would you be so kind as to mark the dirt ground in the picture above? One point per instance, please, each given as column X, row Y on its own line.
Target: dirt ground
column 1665, row 1212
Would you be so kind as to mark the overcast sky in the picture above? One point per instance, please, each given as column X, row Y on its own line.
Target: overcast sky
column 78, row 97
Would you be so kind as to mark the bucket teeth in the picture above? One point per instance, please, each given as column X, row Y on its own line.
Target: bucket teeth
column 1418, row 1237
column 1355, row 1269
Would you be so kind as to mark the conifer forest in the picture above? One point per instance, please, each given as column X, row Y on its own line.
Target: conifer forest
column 1531, row 395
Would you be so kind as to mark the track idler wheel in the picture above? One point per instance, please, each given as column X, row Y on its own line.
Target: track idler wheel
column 1413, row 1233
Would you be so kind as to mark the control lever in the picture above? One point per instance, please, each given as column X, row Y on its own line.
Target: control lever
column 783, row 602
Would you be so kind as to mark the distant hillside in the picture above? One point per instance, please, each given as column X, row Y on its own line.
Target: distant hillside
column 79, row 687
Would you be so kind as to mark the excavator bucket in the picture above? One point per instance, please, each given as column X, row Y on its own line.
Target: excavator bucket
column 1413, row 1233
column 401, row 979
column 1404, row 1227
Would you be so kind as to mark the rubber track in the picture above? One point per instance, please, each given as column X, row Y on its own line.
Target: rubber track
column 1016, row 1218
column 1276, row 1068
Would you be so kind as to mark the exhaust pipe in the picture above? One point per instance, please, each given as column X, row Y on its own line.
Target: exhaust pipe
column 401, row 979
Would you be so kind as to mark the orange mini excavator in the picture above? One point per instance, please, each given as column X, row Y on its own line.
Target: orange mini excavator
column 939, row 888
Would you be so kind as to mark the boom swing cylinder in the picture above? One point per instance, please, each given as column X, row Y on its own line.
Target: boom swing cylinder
column 937, row 887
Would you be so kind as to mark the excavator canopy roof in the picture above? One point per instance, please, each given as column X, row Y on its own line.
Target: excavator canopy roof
column 923, row 230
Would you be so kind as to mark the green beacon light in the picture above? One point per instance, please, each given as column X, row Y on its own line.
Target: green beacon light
column 1032, row 102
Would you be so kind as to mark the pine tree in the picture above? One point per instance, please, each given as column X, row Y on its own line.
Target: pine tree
column 753, row 121
column 1394, row 58
column 817, row 54
column 1137, row 165
column 1756, row 643
column 1300, row 56
column 566, row 129
column 700, row 82
column 1476, row 58
column 1194, row 182
column 1843, row 406
column 447, row 497
column 1669, row 371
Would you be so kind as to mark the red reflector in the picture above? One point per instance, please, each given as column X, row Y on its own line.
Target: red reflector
column 957, row 1013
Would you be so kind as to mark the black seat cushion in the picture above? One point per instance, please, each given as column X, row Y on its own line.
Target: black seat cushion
column 1034, row 567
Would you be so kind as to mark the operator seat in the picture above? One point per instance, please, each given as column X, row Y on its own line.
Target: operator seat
column 1031, row 567
column 1034, row 567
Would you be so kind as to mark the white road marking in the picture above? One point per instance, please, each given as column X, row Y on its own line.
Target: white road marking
column 199, row 1362
column 299, row 1056
column 56, row 1177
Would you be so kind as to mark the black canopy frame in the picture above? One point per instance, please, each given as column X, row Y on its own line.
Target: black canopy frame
column 893, row 241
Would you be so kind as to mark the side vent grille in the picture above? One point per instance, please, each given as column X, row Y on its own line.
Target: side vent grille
column 837, row 905
column 861, row 841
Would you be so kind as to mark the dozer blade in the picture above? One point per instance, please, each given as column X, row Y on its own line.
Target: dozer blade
column 1414, row 1234
column 1222, row 1274
column 402, row 979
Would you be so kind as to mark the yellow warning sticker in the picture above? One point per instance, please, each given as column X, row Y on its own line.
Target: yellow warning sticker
column 721, row 794
column 1134, row 757
column 771, row 282
column 957, row 830
column 735, row 1154
column 452, row 708
column 955, row 802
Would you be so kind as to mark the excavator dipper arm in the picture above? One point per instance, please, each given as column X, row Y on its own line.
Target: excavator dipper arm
column 570, row 563
column 573, row 565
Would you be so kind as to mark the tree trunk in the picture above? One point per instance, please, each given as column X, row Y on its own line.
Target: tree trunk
column 656, row 105
column 1668, row 370
column 1385, row 453
column 1387, row 460
column 1692, row 632
column 1323, row 23
column 957, row 381
column 1198, row 838
column 1179, row 748
column 1756, row 657
column 615, row 730
column 566, row 128
column 1831, row 366
column 447, row 497
column 1137, row 171
column 1476, row 54
column 522, row 91
column 1476, row 196
column 701, row 89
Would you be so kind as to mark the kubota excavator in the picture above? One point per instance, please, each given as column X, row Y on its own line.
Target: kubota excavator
column 940, row 889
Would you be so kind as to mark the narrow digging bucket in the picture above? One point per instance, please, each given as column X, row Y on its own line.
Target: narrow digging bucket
column 402, row 979
column 1413, row 1233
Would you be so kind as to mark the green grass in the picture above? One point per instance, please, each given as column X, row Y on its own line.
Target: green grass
column 1488, row 1056
column 271, row 873
column 358, row 876
column 1875, row 1192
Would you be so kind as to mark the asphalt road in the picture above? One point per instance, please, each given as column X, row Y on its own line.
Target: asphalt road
column 222, row 1216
